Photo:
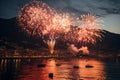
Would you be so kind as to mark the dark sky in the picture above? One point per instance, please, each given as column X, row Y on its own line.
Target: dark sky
column 108, row 10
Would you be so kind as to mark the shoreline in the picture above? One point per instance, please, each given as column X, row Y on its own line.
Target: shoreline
column 54, row 56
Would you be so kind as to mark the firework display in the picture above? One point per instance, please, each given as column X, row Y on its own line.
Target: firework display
column 37, row 18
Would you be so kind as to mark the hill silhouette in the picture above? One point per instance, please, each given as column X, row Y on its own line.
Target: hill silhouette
column 10, row 32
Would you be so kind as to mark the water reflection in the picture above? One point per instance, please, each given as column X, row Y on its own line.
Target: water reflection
column 27, row 69
column 96, row 72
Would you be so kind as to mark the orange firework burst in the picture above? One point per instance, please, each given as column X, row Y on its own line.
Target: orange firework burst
column 34, row 17
column 88, row 31
column 37, row 18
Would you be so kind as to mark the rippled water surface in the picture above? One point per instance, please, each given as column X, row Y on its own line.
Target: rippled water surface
column 62, row 69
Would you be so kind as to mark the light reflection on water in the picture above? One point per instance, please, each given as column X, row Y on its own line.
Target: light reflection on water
column 27, row 69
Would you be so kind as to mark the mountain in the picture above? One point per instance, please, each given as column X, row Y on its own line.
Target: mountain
column 10, row 29
column 11, row 33
column 110, row 43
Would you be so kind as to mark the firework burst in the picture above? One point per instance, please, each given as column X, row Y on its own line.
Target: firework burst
column 87, row 32
column 34, row 17
column 90, row 29
column 60, row 23
column 37, row 18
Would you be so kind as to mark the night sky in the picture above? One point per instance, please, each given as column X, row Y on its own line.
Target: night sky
column 107, row 10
